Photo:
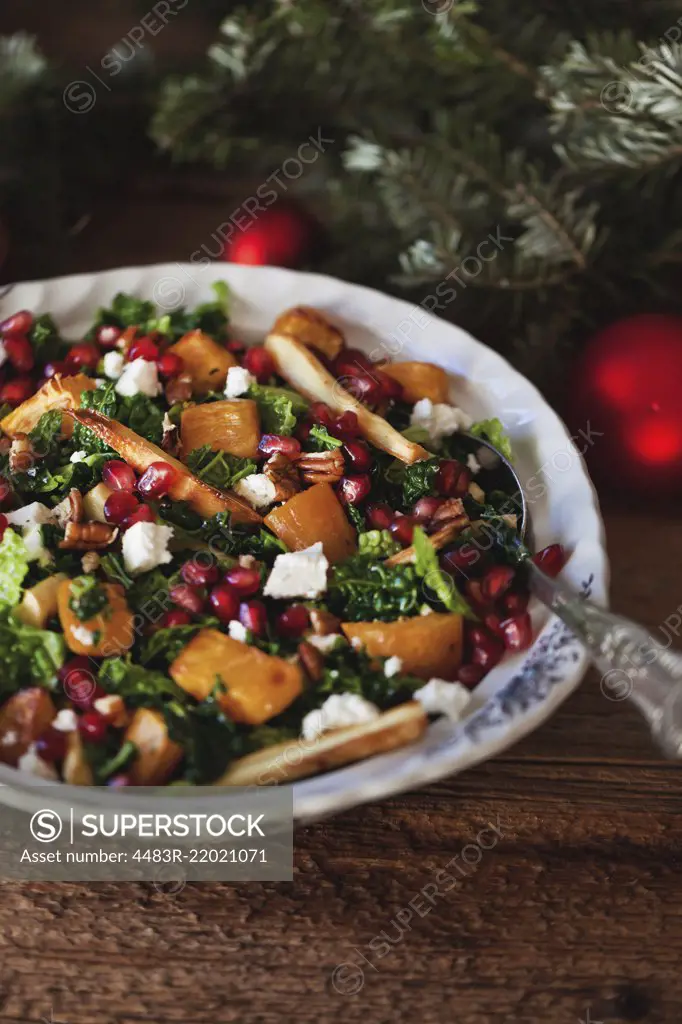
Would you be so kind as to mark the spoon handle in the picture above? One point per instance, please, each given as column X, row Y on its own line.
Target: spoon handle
column 632, row 662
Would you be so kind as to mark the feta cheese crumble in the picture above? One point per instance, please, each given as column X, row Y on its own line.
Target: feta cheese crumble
column 34, row 514
column 238, row 381
column 325, row 644
column 473, row 464
column 257, row 489
column 83, row 635
column 439, row 420
column 65, row 721
column 113, row 364
column 33, row 763
column 338, row 711
column 35, row 548
column 439, row 697
column 78, row 456
column 392, row 666
column 238, row 631
column 145, row 545
column 298, row 573
column 139, row 377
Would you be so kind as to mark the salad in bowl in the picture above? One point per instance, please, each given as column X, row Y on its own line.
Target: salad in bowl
column 237, row 565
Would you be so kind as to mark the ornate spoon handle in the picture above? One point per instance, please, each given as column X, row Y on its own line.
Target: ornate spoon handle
column 631, row 661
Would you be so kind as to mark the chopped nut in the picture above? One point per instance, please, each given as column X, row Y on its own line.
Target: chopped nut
column 179, row 389
column 321, row 467
column 247, row 561
column 439, row 539
column 324, row 622
column 22, row 455
column 90, row 561
column 476, row 492
column 451, row 511
column 312, row 660
column 70, row 510
column 284, row 475
column 88, row 536
column 170, row 441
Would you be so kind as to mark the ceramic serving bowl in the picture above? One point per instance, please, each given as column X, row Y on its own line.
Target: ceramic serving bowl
column 522, row 691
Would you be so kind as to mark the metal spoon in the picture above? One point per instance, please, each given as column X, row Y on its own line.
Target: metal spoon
column 614, row 643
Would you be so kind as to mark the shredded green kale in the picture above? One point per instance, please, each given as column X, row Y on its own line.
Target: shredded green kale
column 208, row 737
column 165, row 644
column 439, row 586
column 139, row 686
column 279, row 408
column 493, row 430
column 419, row 480
column 320, row 440
column 362, row 589
column 13, row 568
column 28, row 654
column 219, row 468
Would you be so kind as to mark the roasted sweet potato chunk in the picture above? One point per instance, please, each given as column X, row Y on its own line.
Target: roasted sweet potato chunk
column 23, row 718
column 419, row 380
column 312, row 329
column 157, row 755
column 314, row 515
column 56, row 393
column 230, row 426
column 106, row 634
column 256, row 685
column 427, row 645
column 204, row 360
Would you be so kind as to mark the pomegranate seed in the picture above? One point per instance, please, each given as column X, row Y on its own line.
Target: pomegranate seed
column 463, row 559
column 359, row 456
column 452, row 479
column 119, row 505
column 253, row 615
column 143, row 348
column 18, row 323
column 198, row 575
column 271, row 443
column 346, row 427
column 157, row 480
column 497, row 581
column 493, row 622
column 425, row 509
column 174, row 617
column 551, row 559
column 515, row 602
column 392, row 391
column 5, row 490
column 354, row 489
column 244, row 580
column 470, row 675
column 402, row 529
column 366, row 389
column 321, row 413
column 51, row 746
column 4, row 523
column 19, row 353
column 294, row 621
column 224, row 602
column 78, row 682
column 93, row 727
column 119, row 781
column 235, row 346
column 517, row 632
column 486, row 649
column 82, row 356
column 187, row 597
column 57, row 366
column 170, row 364
column 351, row 362
column 118, row 475
column 16, row 391
column 475, row 596
column 107, row 335
column 379, row 515
column 142, row 514
column 259, row 362
column 302, row 431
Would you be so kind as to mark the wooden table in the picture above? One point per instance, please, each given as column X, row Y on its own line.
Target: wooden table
column 574, row 914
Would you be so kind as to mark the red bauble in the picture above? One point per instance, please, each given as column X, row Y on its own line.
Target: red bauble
column 281, row 236
column 627, row 404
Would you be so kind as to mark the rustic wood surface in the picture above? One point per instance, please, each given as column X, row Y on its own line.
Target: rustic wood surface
column 572, row 914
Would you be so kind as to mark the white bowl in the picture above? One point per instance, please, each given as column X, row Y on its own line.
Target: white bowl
column 522, row 691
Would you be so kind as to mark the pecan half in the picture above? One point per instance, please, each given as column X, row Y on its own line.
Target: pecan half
column 90, row 561
column 284, row 475
column 324, row 622
column 22, row 454
column 439, row 539
column 88, row 536
column 170, row 441
column 451, row 511
column 70, row 510
column 321, row 467
column 179, row 389
column 312, row 661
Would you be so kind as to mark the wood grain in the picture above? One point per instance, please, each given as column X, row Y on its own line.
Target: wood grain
column 575, row 908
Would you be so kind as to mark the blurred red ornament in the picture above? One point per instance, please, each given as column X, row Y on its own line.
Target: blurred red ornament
column 281, row 236
column 627, row 403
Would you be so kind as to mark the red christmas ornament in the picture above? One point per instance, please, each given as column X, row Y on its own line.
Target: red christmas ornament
column 627, row 403
column 281, row 236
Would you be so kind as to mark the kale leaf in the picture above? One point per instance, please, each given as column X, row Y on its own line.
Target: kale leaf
column 88, row 597
column 320, row 440
column 362, row 588
column 209, row 739
column 13, row 568
column 139, row 413
column 165, row 644
column 493, row 430
column 419, row 480
column 28, row 654
column 219, row 468
column 108, row 759
column 139, row 686
column 239, row 539
column 439, row 586
column 125, row 311
column 279, row 408
column 46, row 341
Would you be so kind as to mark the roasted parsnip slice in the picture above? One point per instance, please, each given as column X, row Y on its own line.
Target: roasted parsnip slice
column 140, row 454
column 311, row 328
column 305, row 372
column 296, row 759
column 56, row 393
